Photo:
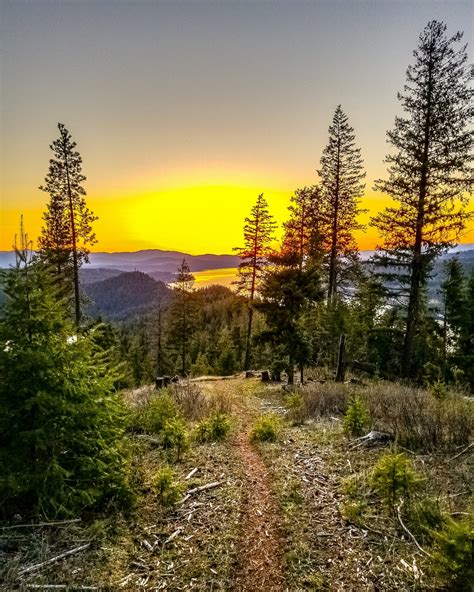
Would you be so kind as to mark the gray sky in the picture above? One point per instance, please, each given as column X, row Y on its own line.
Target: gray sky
column 166, row 95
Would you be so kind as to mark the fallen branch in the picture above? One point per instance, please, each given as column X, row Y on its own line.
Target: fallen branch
column 173, row 536
column 53, row 559
column 204, row 487
column 59, row 587
column 191, row 473
column 462, row 452
column 410, row 534
column 12, row 527
column 370, row 439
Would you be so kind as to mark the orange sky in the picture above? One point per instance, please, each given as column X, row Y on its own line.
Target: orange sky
column 185, row 112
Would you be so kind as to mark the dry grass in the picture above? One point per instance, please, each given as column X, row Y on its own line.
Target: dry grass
column 414, row 417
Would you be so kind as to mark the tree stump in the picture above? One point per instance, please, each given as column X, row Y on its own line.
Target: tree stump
column 265, row 376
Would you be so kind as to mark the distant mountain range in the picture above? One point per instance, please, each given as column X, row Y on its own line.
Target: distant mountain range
column 163, row 265
column 125, row 285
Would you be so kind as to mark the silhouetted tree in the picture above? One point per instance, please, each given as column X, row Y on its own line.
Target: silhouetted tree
column 67, row 232
column 258, row 234
column 182, row 315
column 305, row 229
column 454, row 300
column 288, row 292
column 341, row 175
column 430, row 173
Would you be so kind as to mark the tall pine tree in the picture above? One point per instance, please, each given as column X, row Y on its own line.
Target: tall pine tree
column 430, row 173
column 259, row 231
column 342, row 177
column 67, row 232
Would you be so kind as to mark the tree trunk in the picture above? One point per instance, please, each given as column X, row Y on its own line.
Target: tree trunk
column 341, row 361
column 417, row 272
column 333, row 255
column 291, row 372
column 77, row 304
column 248, row 345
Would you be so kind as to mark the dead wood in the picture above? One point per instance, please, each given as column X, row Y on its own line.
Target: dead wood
column 53, row 559
column 36, row 524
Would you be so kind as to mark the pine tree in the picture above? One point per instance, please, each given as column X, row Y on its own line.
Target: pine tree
column 61, row 422
column 182, row 316
column 453, row 294
column 429, row 175
column 67, row 232
column 288, row 292
column 258, row 234
column 305, row 230
column 342, row 177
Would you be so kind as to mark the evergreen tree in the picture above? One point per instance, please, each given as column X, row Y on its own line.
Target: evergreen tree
column 342, row 177
column 288, row 292
column 182, row 316
column 61, row 423
column 258, row 234
column 430, row 173
column 464, row 357
column 67, row 232
column 454, row 296
column 305, row 230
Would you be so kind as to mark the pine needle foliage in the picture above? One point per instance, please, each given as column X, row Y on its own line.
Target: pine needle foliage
column 429, row 173
column 454, row 553
column 356, row 417
column 342, row 175
column 259, row 230
column 67, row 233
column 394, row 477
column 62, row 446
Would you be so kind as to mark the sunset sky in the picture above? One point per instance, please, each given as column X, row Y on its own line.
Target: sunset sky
column 184, row 112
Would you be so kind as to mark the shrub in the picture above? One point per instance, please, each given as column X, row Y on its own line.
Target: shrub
column 214, row 429
column 168, row 491
column 161, row 409
column 425, row 516
column 265, row 429
column 453, row 555
column 191, row 400
column 356, row 417
column 296, row 407
column 394, row 477
column 174, row 436
column 439, row 391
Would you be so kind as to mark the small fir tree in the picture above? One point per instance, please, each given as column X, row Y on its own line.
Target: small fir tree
column 61, row 422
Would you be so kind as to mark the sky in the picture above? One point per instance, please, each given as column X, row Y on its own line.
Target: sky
column 184, row 111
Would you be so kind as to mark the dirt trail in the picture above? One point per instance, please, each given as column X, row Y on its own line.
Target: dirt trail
column 260, row 565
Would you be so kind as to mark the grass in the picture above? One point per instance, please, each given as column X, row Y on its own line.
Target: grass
column 416, row 418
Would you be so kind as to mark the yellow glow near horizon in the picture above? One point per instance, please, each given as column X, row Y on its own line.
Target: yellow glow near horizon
column 195, row 219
